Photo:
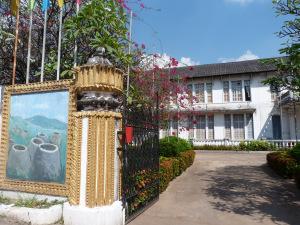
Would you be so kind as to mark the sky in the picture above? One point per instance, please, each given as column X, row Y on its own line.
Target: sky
column 51, row 105
column 209, row 31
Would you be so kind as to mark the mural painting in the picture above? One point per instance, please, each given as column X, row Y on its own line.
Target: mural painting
column 38, row 125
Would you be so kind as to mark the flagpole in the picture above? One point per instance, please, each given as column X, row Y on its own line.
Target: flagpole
column 76, row 47
column 59, row 44
column 44, row 46
column 129, row 51
column 29, row 47
column 16, row 47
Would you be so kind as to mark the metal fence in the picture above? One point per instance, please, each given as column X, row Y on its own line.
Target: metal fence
column 140, row 181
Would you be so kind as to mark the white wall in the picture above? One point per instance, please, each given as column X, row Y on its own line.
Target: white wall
column 261, row 103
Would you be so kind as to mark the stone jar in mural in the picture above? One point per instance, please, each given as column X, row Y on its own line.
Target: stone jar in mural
column 56, row 139
column 47, row 164
column 33, row 146
column 18, row 164
column 42, row 136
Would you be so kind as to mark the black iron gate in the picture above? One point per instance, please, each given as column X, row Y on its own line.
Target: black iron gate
column 140, row 181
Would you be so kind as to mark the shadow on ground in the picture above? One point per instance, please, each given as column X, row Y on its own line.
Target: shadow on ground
column 254, row 191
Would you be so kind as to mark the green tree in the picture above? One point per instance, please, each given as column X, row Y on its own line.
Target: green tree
column 288, row 74
column 99, row 23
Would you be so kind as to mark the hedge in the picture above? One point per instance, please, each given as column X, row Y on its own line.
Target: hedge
column 282, row 163
column 173, row 146
column 172, row 167
column 243, row 146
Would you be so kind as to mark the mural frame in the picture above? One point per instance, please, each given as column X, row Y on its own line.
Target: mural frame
column 44, row 188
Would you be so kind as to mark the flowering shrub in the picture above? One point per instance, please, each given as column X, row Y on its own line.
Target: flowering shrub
column 282, row 163
column 170, row 168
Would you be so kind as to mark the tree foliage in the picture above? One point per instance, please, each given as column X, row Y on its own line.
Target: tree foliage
column 288, row 74
column 99, row 23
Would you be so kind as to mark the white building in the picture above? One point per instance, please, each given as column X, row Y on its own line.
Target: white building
column 234, row 104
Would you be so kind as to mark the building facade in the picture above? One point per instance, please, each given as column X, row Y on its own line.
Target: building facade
column 234, row 104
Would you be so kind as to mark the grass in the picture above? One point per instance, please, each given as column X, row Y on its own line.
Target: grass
column 34, row 203
column 30, row 202
column 5, row 201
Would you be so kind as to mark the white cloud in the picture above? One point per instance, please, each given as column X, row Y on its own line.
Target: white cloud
column 162, row 60
column 248, row 55
column 186, row 61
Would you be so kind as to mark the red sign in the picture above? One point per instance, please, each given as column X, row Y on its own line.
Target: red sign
column 129, row 135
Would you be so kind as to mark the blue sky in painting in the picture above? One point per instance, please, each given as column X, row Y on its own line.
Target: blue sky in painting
column 209, row 31
column 53, row 105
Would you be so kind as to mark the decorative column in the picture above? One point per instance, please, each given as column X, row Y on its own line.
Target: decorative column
column 94, row 189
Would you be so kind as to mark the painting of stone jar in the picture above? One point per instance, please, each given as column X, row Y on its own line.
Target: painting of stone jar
column 38, row 126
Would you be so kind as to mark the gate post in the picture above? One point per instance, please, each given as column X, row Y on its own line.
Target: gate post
column 95, row 181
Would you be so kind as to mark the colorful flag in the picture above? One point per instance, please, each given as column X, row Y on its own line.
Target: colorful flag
column 31, row 4
column 46, row 5
column 15, row 4
column 60, row 3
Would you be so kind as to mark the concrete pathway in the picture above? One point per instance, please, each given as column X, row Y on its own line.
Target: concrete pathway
column 226, row 188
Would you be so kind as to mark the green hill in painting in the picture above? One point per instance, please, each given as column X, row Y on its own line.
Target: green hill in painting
column 47, row 123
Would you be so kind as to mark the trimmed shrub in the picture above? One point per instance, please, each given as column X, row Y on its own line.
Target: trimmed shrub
column 295, row 152
column 243, row 146
column 170, row 168
column 282, row 163
column 257, row 146
column 172, row 146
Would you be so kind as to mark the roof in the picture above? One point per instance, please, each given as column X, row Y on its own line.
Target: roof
column 231, row 68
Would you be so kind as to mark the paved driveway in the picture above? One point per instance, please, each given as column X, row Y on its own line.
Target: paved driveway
column 226, row 189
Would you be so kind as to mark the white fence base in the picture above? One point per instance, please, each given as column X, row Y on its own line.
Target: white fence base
column 106, row 215
column 33, row 216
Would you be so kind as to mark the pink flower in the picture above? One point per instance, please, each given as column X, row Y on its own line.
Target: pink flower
column 174, row 62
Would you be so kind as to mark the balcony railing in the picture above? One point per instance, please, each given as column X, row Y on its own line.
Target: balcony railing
column 224, row 142
column 288, row 97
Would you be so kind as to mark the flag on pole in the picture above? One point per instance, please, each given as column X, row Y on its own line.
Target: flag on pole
column 15, row 4
column 31, row 5
column 46, row 5
column 60, row 3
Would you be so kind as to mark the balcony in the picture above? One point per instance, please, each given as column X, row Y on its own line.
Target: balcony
column 229, row 107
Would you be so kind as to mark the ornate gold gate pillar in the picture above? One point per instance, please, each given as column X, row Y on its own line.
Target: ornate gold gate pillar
column 99, row 90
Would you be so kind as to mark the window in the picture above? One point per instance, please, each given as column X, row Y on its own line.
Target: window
column 191, row 127
column 227, row 119
column 238, row 127
column 190, row 89
column 209, row 92
column 199, row 92
column 249, row 125
column 210, row 121
column 200, row 129
column 174, row 127
column 226, row 91
column 247, row 90
column 276, row 123
column 236, row 87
